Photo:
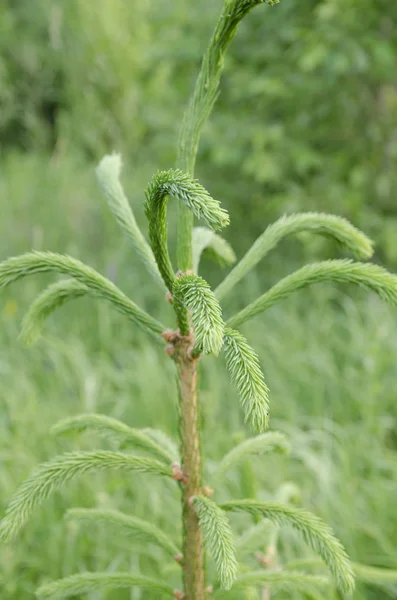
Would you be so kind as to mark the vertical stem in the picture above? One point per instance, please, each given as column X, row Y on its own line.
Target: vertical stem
column 193, row 555
column 199, row 109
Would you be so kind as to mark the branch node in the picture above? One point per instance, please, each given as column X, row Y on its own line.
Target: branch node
column 207, row 491
column 170, row 350
column 170, row 336
column 178, row 473
column 178, row 595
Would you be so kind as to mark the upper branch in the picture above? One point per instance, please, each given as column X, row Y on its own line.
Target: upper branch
column 193, row 196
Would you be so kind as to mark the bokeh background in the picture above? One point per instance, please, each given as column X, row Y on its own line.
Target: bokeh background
column 306, row 120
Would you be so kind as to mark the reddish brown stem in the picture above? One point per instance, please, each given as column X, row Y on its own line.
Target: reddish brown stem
column 193, row 556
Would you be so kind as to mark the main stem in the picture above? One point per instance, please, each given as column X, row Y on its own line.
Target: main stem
column 193, row 555
column 198, row 111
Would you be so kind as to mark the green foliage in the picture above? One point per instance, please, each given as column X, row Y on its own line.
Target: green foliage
column 245, row 372
column 84, row 583
column 130, row 527
column 272, row 441
column 55, row 474
column 193, row 293
column 17, row 267
column 108, row 174
column 207, row 242
column 315, row 532
column 218, row 538
column 368, row 276
column 114, row 430
column 328, row 225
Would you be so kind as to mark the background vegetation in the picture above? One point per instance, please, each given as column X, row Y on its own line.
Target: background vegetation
column 306, row 119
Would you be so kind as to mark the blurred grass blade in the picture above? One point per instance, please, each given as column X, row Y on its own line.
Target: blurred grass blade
column 115, row 431
column 244, row 369
column 108, row 174
column 84, row 583
column 53, row 475
column 273, row 441
column 288, row 580
column 376, row 576
column 162, row 439
column 218, row 538
column 52, row 298
column 128, row 526
column 336, row 227
column 207, row 242
column 17, row 267
column 314, row 531
column 254, row 537
column 368, row 276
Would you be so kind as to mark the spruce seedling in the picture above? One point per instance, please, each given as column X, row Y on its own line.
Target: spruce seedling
column 200, row 329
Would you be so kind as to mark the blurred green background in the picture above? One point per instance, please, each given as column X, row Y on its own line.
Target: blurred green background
column 306, row 120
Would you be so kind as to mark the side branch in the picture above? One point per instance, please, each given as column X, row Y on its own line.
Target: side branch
column 368, row 276
column 17, row 267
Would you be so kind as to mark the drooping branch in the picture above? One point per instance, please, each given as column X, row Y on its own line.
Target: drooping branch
column 114, row 430
column 368, row 276
column 127, row 525
column 329, row 225
column 245, row 372
column 194, row 294
column 218, row 538
column 55, row 474
column 17, row 267
column 84, row 583
column 314, row 531
column 193, row 196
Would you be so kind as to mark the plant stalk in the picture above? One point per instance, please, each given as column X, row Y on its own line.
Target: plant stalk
column 193, row 555
column 199, row 109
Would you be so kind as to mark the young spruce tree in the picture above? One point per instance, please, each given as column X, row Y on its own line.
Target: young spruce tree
column 200, row 329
